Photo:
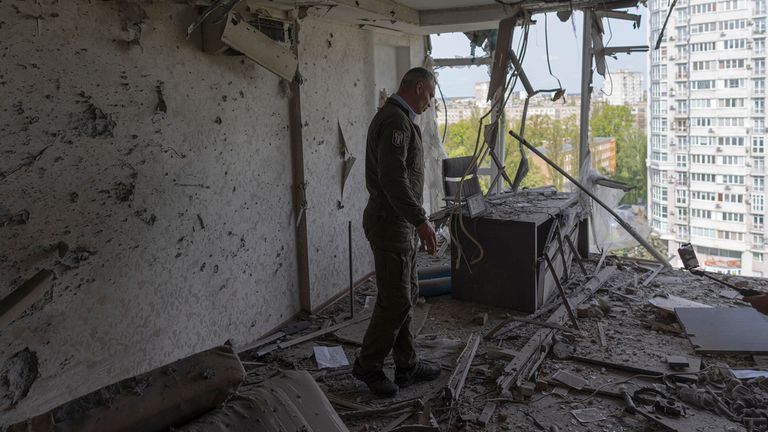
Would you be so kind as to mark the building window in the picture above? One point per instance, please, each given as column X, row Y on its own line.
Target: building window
column 681, row 197
column 757, row 240
column 703, row 232
column 733, row 217
column 706, row 84
column 757, row 222
column 758, row 105
column 730, row 103
column 758, row 203
column 758, row 183
column 702, row 196
column 733, row 160
column 731, row 179
column 758, row 256
column 758, row 144
column 758, row 124
column 731, row 141
column 759, row 85
column 759, row 44
column 730, row 235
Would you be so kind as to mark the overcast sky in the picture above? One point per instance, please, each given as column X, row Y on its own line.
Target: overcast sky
column 564, row 53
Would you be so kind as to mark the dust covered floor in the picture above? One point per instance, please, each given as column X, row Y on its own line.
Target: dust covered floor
column 634, row 333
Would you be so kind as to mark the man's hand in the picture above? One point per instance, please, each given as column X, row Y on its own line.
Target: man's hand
column 759, row 302
column 428, row 238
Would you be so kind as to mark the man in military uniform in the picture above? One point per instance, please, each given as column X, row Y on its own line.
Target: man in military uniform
column 393, row 219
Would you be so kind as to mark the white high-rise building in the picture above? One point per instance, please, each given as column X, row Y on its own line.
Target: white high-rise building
column 706, row 140
column 624, row 88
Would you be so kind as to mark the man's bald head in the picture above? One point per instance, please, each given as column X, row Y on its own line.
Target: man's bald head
column 417, row 88
column 416, row 75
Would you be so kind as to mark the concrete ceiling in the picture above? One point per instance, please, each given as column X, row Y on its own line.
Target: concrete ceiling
column 431, row 16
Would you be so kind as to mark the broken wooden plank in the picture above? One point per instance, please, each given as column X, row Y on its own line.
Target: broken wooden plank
column 20, row 299
column 322, row 332
column 532, row 354
column 601, row 334
column 455, row 383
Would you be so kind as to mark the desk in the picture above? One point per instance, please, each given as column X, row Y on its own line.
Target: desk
column 515, row 233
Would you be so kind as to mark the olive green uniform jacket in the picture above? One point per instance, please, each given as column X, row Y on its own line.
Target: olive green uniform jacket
column 394, row 176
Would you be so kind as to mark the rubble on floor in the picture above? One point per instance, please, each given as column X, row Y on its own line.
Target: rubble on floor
column 629, row 366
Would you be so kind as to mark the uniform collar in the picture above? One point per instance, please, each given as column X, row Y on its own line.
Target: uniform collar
column 411, row 113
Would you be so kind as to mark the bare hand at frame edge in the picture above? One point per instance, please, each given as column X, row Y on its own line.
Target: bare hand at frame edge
column 427, row 237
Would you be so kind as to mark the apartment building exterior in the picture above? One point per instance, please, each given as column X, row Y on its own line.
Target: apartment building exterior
column 706, row 139
column 626, row 88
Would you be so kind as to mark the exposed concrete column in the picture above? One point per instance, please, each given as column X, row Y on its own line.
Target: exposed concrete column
column 586, row 99
column 299, row 184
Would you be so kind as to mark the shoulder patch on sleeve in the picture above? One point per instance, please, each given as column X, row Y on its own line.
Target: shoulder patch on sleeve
column 398, row 138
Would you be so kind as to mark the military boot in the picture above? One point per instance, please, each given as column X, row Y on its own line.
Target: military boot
column 376, row 381
column 422, row 371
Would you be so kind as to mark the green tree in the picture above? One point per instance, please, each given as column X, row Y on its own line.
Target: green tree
column 554, row 135
column 617, row 121
column 630, row 164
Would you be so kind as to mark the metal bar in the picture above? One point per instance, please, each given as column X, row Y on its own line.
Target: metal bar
column 624, row 49
column 653, row 274
column 462, row 61
column 351, row 282
column 619, row 15
column 564, row 297
column 586, row 86
column 576, row 254
column 601, row 260
column 656, row 254
column 521, row 73
column 561, row 246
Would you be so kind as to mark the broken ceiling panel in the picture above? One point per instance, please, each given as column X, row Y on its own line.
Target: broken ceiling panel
column 258, row 47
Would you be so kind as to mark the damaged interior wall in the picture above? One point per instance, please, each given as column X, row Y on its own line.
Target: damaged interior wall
column 158, row 184
column 339, row 92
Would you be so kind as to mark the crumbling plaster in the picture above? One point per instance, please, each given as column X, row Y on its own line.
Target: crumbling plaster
column 343, row 68
column 173, row 231
column 152, row 281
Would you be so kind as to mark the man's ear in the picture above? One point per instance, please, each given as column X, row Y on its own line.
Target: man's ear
column 419, row 87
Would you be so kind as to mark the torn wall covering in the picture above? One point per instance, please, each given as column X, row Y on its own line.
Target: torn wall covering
column 170, row 230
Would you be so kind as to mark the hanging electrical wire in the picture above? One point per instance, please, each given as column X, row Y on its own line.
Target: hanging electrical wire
column 607, row 70
column 546, row 47
column 445, row 111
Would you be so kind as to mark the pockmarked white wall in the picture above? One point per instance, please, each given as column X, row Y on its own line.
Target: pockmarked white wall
column 158, row 184
column 343, row 69
column 178, row 224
